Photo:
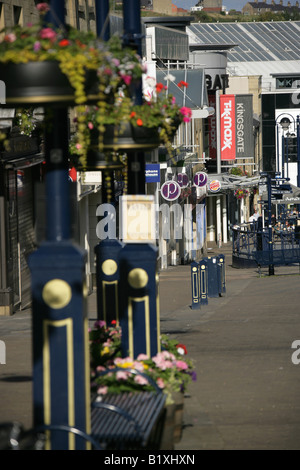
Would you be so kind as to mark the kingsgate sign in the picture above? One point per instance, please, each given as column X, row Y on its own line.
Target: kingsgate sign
column 227, row 127
column 236, row 126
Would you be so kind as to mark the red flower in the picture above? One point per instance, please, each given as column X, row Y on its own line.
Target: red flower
column 182, row 84
column 159, row 87
column 181, row 346
column 139, row 122
column 64, row 43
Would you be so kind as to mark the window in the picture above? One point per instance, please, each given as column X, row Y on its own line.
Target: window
column 18, row 15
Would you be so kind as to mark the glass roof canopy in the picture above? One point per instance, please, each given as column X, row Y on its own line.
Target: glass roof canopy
column 252, row 41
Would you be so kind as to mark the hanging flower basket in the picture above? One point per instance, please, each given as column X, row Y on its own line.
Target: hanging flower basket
column 43, row 66
column 241, row 193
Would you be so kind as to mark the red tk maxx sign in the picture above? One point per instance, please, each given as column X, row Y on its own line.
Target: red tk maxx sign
column 227, row 127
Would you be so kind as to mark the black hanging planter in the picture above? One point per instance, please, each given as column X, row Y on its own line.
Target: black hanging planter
column 127, row 137
column 42, row 83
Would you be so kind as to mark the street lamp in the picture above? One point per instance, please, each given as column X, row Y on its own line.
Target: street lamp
column 285, row 124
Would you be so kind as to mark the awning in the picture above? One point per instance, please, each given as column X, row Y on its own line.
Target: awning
column 194, row 95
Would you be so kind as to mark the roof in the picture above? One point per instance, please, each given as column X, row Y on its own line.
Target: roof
column 251, row 42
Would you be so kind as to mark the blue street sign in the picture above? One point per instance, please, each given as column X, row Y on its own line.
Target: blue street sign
column 152, row 172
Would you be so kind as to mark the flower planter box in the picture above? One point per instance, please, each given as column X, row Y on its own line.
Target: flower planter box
column 41, row 83
column 173, row 422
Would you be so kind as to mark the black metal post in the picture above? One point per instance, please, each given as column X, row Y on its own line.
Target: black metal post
column 283, row 154
column 271, row 265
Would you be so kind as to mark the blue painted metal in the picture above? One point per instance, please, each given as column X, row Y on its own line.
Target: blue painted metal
column 57, row 170
column 203, row 273
column 139, row 311
column 195, row 283
column 132, row 24
column 102, row 19
column 61, row 389
column 221, row 274
column 213, row 284
column 59, row 328
column 108, row 279
column 56, row 15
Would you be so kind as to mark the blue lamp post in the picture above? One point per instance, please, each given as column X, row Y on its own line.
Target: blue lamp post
column 61, row 388
column 102, row 19
column 298, row 155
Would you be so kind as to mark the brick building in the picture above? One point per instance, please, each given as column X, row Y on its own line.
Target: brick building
column 259, row 8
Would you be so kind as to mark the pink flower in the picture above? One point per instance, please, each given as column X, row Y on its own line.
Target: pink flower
column 98, row 323
column 126, row 78
column 78, row 146
column 90, row 125
column 37, row 46
column 10, row 37
column 139, row 379
column 102, row 390
column 181, row 365
column 43, row 7
column 187, row 113
column 48, row 33
column 138, row 366
column 160, row 383
column 142, row 357
column 122, row 375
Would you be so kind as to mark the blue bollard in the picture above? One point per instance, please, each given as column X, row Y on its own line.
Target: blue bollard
column 139, row 314
column 108, row 279
column 61, row 389
column 195, row 282
column 221, row 274
column 203, row 275
column 213, row 284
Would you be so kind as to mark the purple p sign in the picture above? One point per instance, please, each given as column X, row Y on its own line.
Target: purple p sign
column 170, row 190
column 182, row 179
column 200, row 178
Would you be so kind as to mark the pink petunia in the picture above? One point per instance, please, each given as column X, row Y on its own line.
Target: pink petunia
column 10, row 37
column 142, row 357
column 160, row 383
column 126, row 78
column 43, row 7
column 139, row 379
column 37, row 46
column 102, row 390
column 90, row 125
column 48, row 33
column 122, row 375
column 181, row 365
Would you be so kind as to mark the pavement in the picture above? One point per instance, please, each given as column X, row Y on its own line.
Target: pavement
column 246, row 396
